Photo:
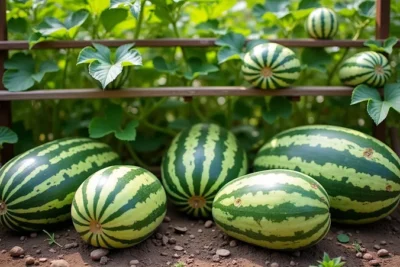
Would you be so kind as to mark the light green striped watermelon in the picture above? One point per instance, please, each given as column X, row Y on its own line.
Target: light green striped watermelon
column 118, row 207
column 271, row 66
column 360, row 173
column 200, row 160
column 368, row 68
column 276, row 209
column 322, row 23
column 37, row 187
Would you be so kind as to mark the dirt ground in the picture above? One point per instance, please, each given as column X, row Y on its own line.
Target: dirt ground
column 200, row 244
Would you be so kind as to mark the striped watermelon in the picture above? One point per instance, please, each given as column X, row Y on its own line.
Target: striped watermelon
column 37, row 187
column 368, row 68
column 360, row 173
column 322, row 23
column 118, row 207
column 198, row 163
column 271, row 66
column 276, row 209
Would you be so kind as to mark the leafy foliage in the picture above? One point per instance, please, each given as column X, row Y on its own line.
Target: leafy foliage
column 7, row 136
column 328, row 262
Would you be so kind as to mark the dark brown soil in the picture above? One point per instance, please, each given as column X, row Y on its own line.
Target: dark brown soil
column 201, row 248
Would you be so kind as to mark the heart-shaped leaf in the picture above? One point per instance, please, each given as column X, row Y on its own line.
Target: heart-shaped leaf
column 389, row 43
column 112, row 17
column 197, row 68
column 7, row 136
column 161, row 65
column 367, row 9
column 211, row 25
column 231, row 47
column 133, row 5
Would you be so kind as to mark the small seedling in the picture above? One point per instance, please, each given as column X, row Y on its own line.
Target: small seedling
column 328, row 262
column 357, row 246
column 179, row 264
column 51, row 239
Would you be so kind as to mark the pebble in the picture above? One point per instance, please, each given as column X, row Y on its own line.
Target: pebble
column 274, row 264
column 363, row 250
column 61, row 256
column 383, row 243
column 377, row 247
column 22, row 238
column 189, row 261
column 16, row 251
column 233, row 243
column 42, row 259
column 3, row 251
column 134, row 262
column 159, row 236
column 359, row 255
column 234, row 262
column 34, row 246
column 374, row 262
column 33, row 235
column 178, row 248
column 200, row 231
column 292, row 263
column 223, row 252
column 37, row 262
column 225, row 243
column 367, row 256
column 165, row 240
column 133, row 266
column 383, row 253
column 59, row 263
column 71, row 245
column 30, row 261
column 180, row 230
column 267, row 263
column 176, row 256
column 38, row 251
column 172, row 241
column 343, row 258
column 215, row 258
column 52, row 250
column 208, row 224
column 98, row 253
column 192, row 236
column 164, row 253
column 396, row 229
column 103, row 260
column 197, row 251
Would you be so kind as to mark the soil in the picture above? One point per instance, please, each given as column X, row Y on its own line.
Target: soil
column 200, row 249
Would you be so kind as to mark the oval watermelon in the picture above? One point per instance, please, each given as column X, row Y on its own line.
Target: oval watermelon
column 276, row 209
column 37, row 187
column 118, row 207
column 198, row 163
column 271, row 66
column 360, row 173
column 322, row 23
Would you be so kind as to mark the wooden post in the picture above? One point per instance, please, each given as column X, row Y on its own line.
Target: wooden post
column 382, row 32
column 5, row 106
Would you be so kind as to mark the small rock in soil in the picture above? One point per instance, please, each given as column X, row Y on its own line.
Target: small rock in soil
column 103, row 260
column 71, row 245
column 363, row 250
column 180, row 230
column 191, row 256
column 159, row 236
column 22, row 238
column 33, row 235
column 30, row 261
column 223, row 252
column 383, row 243
column 172, row 241
column 42, row 259
column 189, row 261
column 343, row 258
column 133, row 266
column 267, row 263
column 197, row 251
column 292, row 263
column 367, row 256
column 178, row 248
column 164, row 240
column 396, row 229
column 274, row 264
column 38, row 251
column 374, row 262
column 215, row 258
column 225, row 243
column 164, row 253
column 98, row 253
column 233, row 243
column 377, row 247
column 200, row 231
column 37, row 262
column 52, row 250
column 16, row 251
column 186, row 243
column 383, row 253
column 359, row 255
column 208, row 224
column 134, row 262
column 234, row 262
column 192, row 236
column 59, row 263
column 176, row 256
column 61, row 256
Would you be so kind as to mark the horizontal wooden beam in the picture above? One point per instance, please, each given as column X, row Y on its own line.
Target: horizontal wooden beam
column 174, row 91
column 203, row 42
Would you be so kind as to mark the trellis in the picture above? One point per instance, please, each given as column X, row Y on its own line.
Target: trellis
column 6, row 97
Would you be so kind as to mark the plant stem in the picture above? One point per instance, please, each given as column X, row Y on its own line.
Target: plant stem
column 177, row 35
column 197, row 111
column 154, row 107
column 65, row 72
column 135, row 157
column 140, row 20
column 159, row 129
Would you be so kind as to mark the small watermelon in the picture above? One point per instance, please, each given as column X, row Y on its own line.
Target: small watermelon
column 200, row 160
column 118, row 207
column 271, row 66
column 368, row 68
column 322, row 23
column 276, row 209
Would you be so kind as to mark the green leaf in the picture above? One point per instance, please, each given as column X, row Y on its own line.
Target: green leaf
column 389, row 44
column 259, row 10
column 97, row 6
column 161, row 65
column 364, row 93
column 133, row 5
column 343, row 238
column 374, row 45
column 392, row 95
column 279, row 107
column 345, row 9
column 112, row 17
column 253, row 43
column 102, row 67
column 111, row 122
column 231, row 46
column 367, row 9
column 278, row 7
column 197, row 68
column 45, row 67
column 17, row 25
column 316, row 58
column 18, row 80
column 212, row 26
column 306, row 4
column 378, row 110
column 7, row 136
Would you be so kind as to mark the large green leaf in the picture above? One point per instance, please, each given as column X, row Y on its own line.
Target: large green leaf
column 161, row 65
column 133, row 5
column 278, row 107
column 17, row 25
column 231, row 47
column 306, row 4
column 316, row 58
column 101, row 65
column 367, row 9
column 7, row 136
column 197, row 68
column 98, row 6
column 112, row 17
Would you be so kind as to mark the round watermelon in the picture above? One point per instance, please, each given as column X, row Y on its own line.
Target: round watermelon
column 271, row 66
column 276, row 209
column 199, row 161
column 322, row 23
column 118, row 207
column 360, row 173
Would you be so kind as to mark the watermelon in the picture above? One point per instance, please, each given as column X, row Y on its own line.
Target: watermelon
column 276, row 209
column 322, row 23
column 37, row 187
column 368, row 68
column 360, row 173
column 118, row 207
column 199, row 161
column 271, row 66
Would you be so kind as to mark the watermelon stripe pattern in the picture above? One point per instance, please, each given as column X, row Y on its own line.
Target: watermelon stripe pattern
column 277, row 209
column 118, row 207
column 37, row 187
column 368, row 68
column 322, row 23
column 271, row 66
column 360, row 173
column 198, row 163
